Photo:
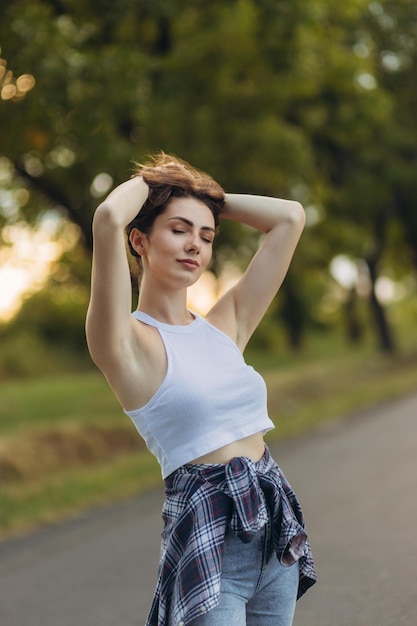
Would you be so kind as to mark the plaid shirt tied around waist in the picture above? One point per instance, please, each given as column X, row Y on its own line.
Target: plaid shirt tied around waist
column 202, row 501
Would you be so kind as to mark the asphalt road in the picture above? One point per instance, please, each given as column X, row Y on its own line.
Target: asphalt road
column 357, row 481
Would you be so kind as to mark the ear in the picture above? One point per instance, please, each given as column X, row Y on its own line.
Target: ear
column 137, row 239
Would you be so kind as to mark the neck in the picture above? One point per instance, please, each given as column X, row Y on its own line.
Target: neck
column 169, row 308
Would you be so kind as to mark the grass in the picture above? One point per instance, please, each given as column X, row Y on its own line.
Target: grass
column 334, row 389
column 28, row 504
column 56, row 400
column 65, row 444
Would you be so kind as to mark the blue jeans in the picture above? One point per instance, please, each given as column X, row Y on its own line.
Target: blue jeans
column 256, row 590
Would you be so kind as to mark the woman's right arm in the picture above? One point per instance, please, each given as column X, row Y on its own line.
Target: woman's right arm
column 109, row 323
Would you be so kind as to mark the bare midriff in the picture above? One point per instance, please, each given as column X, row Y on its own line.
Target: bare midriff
column 251, row 447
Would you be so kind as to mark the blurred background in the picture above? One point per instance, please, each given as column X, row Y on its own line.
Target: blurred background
column 313, row 100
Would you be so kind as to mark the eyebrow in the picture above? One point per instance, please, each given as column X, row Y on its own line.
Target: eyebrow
column 190, row 223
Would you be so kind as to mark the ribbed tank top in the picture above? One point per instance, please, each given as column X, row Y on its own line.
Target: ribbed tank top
column 209, row 397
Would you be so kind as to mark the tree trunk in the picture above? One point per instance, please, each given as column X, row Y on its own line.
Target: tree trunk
column 354, row 329
column 292, row 314
column 383, row 329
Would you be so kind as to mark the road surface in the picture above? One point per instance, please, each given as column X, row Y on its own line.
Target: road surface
column 357, row 481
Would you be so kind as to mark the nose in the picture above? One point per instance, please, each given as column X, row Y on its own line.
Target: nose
column 193, row 242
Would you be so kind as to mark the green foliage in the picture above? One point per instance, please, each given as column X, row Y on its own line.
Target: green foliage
column 23, row 354
column 56, row 316
column 310, row 99
column 63, row 400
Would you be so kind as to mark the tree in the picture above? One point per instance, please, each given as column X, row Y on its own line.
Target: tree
column 290, row 98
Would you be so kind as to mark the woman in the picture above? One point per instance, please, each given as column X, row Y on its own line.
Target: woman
column 234, row 549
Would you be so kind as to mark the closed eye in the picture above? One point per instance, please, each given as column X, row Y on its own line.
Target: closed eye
column 178, row 231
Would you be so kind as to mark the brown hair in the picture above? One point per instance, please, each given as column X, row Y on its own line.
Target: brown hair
column 170, row 177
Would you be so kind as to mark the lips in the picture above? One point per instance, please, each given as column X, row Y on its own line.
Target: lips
column 190, row 263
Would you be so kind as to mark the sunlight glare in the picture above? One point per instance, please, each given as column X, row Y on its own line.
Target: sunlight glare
column 202, row 295
column 25, row 261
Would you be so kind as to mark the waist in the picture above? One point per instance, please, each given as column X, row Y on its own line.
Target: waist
column 251, row 447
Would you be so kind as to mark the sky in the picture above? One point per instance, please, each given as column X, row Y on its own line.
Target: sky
column 25, row 261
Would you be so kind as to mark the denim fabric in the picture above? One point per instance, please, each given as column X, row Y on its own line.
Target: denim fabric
column 202, row 503
column 256, row 590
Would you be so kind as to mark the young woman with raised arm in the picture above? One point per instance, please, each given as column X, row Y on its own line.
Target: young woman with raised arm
column 234, row 546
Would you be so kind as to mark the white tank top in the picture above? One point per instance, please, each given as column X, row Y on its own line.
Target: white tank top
column 209, row 397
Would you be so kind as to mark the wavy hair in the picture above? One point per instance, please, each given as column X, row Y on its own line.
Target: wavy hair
column 169, row 177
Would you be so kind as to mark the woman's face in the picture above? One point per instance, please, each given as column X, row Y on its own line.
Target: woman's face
column 179, row 247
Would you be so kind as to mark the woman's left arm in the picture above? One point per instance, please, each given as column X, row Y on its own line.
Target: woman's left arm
column 240, row 310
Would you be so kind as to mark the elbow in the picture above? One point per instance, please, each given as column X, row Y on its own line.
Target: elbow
column 103, row 211
column 299, row 219
column 106, row 218
column 290, row 218
column 293, row 216
column 298, row 214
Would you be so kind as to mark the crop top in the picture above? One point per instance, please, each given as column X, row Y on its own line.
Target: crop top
column 209, row 397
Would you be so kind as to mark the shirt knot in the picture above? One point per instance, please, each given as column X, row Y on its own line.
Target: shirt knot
column 249, row 511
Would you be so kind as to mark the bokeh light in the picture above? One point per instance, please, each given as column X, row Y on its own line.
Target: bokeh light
column 14, row 89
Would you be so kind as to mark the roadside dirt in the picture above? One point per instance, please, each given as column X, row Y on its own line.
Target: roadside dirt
column 33, row 456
